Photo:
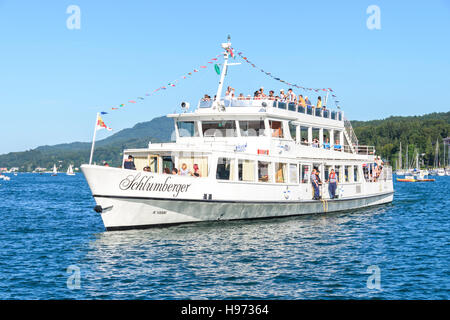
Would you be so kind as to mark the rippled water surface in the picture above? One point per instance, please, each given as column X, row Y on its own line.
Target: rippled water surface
column 47, row 226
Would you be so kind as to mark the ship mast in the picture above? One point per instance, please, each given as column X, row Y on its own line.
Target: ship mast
column 226, row 46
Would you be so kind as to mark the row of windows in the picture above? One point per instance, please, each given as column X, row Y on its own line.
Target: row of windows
column 227, row 128
column 279, row 172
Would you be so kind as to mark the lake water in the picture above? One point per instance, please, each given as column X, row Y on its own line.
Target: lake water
column 53, row 246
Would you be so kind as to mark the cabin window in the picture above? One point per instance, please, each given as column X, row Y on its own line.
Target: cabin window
column 140, row 162
column 264, row 171
column 293, row 131
column 189, row 162
column 251, row 128
column 187, row 129
column 225, row 169
column 305, row 173
column 246, row 170
column 293, row 173
column 338, row 171
column 355, row 174
column 276, row 127
column 168, row 164
column 347, row 173
column 153, row 163
column 219, row 128
column 280, row 172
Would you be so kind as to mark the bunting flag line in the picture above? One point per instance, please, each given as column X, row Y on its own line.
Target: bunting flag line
column 241, row 55
column 172, row 83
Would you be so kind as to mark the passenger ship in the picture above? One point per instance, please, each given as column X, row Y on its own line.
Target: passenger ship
column 255, row 158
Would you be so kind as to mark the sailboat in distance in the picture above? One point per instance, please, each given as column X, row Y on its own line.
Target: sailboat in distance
column 54, row 171
column 70, row 171
column 400, row 171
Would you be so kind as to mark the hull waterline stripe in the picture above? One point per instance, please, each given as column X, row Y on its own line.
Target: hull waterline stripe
column 167, row 225
column 243, row 201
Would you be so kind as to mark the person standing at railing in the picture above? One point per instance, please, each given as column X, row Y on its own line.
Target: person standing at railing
column 301, row 101
column 308, row 103
column 282, row 95
column 337, row 146
column 332, row 184
column 291, row 97
column 261, row 92
column 326, row 144
column 271, row 95
column 229, row 92
column 319, row 103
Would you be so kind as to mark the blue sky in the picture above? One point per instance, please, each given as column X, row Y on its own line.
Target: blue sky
column 54, row 80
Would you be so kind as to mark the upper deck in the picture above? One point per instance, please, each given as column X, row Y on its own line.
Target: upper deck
column 247, row 108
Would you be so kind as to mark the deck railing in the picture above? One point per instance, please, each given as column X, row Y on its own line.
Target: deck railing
column 276, row 104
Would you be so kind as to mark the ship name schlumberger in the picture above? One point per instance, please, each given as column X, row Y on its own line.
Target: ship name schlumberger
column 144, row 183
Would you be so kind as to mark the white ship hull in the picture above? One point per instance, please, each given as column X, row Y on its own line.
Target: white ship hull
column 182, row 199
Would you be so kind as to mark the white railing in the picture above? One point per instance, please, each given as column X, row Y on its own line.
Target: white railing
column 276, row 104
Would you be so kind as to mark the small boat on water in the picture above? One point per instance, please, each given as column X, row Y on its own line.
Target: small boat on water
column 421, row 177
column 70, row 171
column 417, row 174
column 54, row 171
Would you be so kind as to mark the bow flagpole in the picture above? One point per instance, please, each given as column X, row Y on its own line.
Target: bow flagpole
column 99, row 124
column 93, row 138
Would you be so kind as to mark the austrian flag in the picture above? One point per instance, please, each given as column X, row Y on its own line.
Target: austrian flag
column 101, row 124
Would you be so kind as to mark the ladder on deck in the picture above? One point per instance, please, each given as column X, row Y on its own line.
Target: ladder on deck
column 350, row 136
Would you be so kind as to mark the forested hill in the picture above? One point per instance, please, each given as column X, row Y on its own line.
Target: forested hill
column 418, row 132
column 76, row 153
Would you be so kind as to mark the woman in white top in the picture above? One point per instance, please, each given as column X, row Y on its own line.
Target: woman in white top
column 184, row 171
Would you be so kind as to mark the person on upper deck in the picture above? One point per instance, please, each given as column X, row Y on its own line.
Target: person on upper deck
column 308, row 103
column 229, row 92
column 315, row 143
column 319, row 103
column 291, row 97
column 326, row 144
column 271, row 95
column 337, row 146
column 261, row 92
column 282, row 95
column 241, row 96
column 301, row 101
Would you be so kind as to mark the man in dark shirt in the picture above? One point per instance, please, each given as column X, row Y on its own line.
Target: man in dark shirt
column 129, row 163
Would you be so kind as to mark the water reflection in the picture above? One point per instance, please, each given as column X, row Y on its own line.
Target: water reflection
column 227, row 259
